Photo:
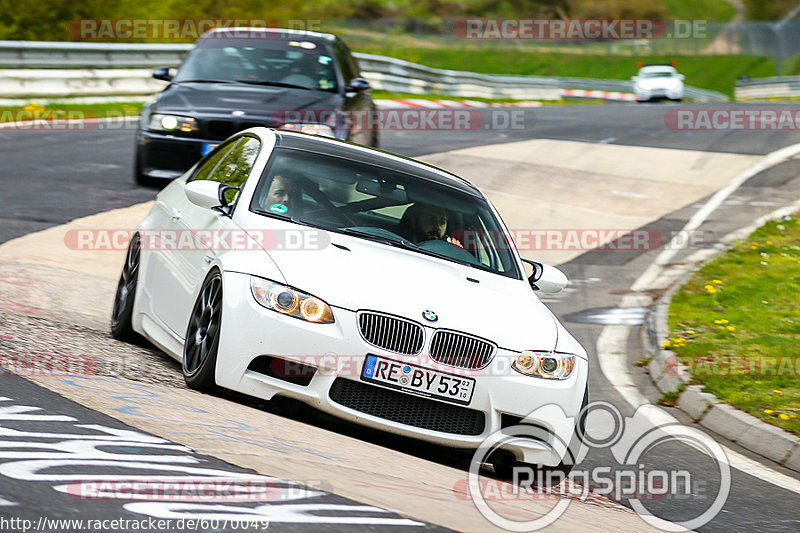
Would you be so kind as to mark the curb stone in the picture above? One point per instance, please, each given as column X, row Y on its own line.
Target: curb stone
column 669, row 375
column 696, row 403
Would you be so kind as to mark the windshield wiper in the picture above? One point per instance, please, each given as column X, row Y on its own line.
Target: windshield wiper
column 206, row 81
column 402, row 243
column 286, row 218
column 274, row 83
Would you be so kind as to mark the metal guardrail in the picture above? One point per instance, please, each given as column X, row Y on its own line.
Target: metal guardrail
column 34, row 74
column 60, row 55
column 765, row 88
column 403, row 76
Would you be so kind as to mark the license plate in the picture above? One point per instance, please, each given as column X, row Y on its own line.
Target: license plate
column 418, row 380
column 207, row 148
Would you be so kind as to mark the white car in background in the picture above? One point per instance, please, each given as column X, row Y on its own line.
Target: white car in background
column 658, row 81
column 439, row 338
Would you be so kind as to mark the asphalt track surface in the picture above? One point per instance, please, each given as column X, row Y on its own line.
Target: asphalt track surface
column 61, row 445
column 49, row 178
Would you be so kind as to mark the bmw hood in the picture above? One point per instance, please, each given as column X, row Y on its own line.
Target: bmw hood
column 256, row 100
column 362, row 275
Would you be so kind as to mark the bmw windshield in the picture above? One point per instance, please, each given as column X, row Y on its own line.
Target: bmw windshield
column 384, row 205
column 279, row 61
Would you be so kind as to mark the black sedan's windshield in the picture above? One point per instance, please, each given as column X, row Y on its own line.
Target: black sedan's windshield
column 280, row 62
column 384, row 205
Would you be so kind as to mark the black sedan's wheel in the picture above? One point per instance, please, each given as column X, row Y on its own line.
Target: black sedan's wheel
column 122, row 313
column 202, row 335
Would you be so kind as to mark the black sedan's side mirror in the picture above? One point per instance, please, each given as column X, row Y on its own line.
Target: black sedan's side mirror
column 162, row 73
column 358, row 85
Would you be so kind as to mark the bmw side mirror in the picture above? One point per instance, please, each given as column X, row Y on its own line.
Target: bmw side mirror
column 162, row 73
column 211, row 194
column 546, row 278
column 358, row 85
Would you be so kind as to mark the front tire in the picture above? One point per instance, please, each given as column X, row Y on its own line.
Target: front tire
column 202, row 336
column 122, row 312
column 505, row 463
column 138, row 172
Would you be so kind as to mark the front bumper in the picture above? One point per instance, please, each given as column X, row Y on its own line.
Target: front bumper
column 168, row 156
column 649, row 94
column 501, row 395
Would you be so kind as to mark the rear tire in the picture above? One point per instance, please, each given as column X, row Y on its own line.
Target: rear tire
column 122, row 312
column 202, row 336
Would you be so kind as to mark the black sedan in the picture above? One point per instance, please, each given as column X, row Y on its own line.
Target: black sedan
column 238, row 78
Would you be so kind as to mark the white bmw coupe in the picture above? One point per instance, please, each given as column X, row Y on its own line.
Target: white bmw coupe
column 373, row 287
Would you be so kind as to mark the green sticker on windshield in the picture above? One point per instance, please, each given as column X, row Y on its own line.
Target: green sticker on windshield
column 278, row 208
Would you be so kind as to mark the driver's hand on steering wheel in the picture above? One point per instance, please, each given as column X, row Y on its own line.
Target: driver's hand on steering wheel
column 454, row 241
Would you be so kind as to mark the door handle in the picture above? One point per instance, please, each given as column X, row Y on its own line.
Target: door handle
column 176, row 215
column 208, row 258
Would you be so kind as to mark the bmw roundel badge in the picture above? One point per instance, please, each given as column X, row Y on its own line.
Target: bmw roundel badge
column 430, row 316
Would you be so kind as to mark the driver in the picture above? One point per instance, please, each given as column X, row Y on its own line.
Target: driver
column 427, row 222
column 283, row 195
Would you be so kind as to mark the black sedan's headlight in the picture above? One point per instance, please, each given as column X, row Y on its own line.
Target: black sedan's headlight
column 172, row 123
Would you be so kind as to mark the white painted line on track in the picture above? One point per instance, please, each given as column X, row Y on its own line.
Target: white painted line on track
column 677, row 243
column 612, row 342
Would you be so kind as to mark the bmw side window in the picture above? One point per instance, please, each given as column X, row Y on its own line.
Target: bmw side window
column 208, row 165
column 234, row 169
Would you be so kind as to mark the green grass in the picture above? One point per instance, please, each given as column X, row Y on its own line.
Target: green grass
column 736, row 324
column 62, row 111
column 710, row 10
column 717, row 73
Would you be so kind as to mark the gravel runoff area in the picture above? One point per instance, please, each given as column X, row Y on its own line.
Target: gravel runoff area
column 31, row 345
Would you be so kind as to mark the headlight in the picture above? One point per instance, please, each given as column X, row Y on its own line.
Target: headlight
column 159, row 122
column 316, row 129
column 288, row 301
column 547, row 365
